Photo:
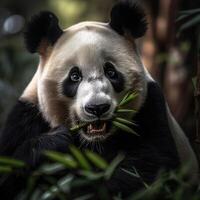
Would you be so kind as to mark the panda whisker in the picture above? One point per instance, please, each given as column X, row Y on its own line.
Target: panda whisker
column 93, row 143
column 83, row 142
column 99, row 147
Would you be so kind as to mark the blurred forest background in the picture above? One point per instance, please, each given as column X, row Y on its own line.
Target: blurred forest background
column 169, row 49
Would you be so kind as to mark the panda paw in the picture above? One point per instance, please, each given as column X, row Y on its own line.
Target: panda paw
column 32, row 150
column 60, row 137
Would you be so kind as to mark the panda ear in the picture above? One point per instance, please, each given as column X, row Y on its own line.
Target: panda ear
column 128, row 16
column 42, row 31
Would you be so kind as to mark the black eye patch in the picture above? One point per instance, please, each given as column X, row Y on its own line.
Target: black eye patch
column 71, row 83
column 115, row 77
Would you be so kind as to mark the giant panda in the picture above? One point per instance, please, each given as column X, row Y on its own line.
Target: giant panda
column 83, row 73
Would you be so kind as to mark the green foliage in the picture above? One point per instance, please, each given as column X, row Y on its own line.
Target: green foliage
column 7, row 165
column 124, row 121
column 67, row 176
column 83, row 163
column 96, row 160
column 130, row 96
column 78, row 127
column 188, row 19
column 79, row 171
column 11, row 162
column 124, row 127
column 125, row 111
column 169, row 186
column 66, row 160
column 5, row 169
column 194, row 83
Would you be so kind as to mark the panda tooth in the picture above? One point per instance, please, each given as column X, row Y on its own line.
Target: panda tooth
column 90, row 127
column 104, row 126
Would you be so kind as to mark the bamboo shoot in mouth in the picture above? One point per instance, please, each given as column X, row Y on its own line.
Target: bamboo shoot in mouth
column 100, row 127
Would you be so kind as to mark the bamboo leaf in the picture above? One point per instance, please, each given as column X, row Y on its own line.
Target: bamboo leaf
column 194, row 21
column 130, row 98
column 92, row 175
column 65, row 182
column 124, row 121
column 31, row 192
column 78, row 127
column 11, row 162
column 58, row 189
column 86, row 197
column 111, row 168
column 64, row 159
column 51, row 168
column 80, row 182
column 194, row 82
column 80, row 158
column 189, row 12
column 50, row 194
column 125, row 111
column 136, row 175
column 35, row 194
column 182, row 17
column 96, row 159
column 124, row 127
column 125, row 97
column 5, row 169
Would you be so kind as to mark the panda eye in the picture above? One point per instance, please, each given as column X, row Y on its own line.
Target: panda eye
column 75, row 75
column 115, row 77
column 110, row 71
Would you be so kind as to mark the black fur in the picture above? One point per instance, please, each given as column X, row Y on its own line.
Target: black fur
column 26, row 129
column 155, row 149
column 25, row 136
column 42, row 26
column 128, row 16
column 24, row 122
column 69, row 87
column 118, row 80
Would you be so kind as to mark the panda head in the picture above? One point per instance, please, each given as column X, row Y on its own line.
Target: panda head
column 86, row 69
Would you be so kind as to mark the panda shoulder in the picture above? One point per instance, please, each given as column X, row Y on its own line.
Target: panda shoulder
column 186, row 154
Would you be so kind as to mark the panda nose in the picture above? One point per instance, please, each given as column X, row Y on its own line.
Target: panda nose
column 97, row 110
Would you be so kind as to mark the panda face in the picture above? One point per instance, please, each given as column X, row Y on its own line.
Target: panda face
column 89, row 70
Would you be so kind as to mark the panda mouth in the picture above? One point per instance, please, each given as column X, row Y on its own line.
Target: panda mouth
column 97, row 128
